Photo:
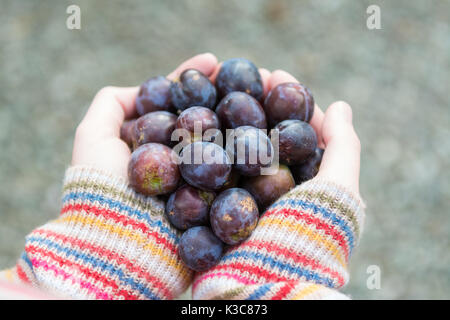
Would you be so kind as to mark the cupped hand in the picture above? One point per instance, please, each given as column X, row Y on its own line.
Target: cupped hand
column 97, row 139
column 335, row 132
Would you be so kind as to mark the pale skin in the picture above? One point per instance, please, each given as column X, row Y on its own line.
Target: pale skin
column 98, row 144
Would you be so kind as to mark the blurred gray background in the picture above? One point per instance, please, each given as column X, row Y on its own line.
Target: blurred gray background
column 397, row 79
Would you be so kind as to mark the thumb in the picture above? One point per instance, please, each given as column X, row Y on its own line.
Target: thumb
column 341, row 159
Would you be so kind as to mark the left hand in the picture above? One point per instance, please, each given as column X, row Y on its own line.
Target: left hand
column 97, row 139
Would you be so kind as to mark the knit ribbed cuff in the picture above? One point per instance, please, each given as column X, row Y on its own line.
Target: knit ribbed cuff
column 98, row 184
column 108, row 243
column 306, row 237
column 333, row 201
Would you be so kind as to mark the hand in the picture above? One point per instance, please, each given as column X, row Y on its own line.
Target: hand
column 300, row 247
column 335, row 132
column 97, row 139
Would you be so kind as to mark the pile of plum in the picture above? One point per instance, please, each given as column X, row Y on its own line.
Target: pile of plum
column 213, row 186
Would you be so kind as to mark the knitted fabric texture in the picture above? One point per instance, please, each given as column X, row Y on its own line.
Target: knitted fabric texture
column 111, row 243
column 108, row 243
column 299, row 250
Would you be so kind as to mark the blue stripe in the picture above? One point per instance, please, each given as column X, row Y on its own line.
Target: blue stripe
column 103, row 265
column 324, row 212
column 273, row 263
column 258, row 293
column 117, row 205
column 25, row 258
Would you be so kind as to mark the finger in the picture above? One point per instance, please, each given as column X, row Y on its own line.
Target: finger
column 341, row 160
column 205, row 63
column 265, row 77
column 316, row 122
column 108, row 110
column 279, row 77
column 112, row 105
column 214, row 74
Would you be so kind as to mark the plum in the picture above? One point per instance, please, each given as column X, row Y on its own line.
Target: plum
column 154, row 95
column 239, row 74
column 203, row 117
column 189, row 207
column 234, row 215
column 268, row 188
column 199, row 248
column 308, row 169
column 153, row 169
column 155, row 127
column 289, row 101
column 252, row 150
column 240, row 109
column 127, row 132
column 297, row 141
column 205, row 165
column 193, row 88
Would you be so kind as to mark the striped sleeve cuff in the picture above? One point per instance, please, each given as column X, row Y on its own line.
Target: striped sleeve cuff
column 304, row 239
column 108, row 243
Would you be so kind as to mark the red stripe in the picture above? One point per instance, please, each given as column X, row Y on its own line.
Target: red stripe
column 102, row 252
column 58, row 272
column 311, row 219
column 86, row 271
column 120, row 218
column 22, row 275
column 295, row 256
column 253, row 270
column 222, row 274
column 284, row 291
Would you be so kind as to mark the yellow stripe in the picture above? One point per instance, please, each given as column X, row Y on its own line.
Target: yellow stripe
column 306, row 291
column 310, row 233
column 129, row 235
column 7, row 274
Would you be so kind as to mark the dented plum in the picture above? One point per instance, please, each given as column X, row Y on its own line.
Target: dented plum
column 234, row 215
column 193, row 88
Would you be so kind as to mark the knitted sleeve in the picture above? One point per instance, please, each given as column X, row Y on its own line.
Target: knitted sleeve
column 108, row 243
column 299, row 250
